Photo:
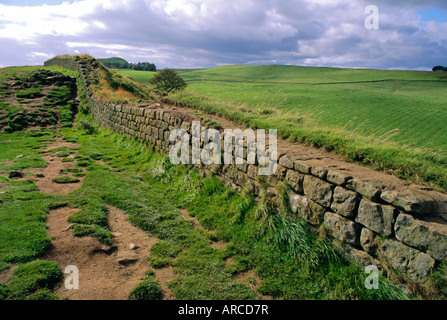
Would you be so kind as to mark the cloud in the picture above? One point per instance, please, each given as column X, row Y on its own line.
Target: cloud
column 206, row 33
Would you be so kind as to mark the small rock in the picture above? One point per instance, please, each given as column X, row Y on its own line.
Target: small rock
column 126, row 258
column 20, row 156
column 105, row 249
column 15, row 174
column 133, row 246
column 116, row 234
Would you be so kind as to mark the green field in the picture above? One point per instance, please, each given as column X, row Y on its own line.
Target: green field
column 390, row 120
column 374, row 101
column 140, row 76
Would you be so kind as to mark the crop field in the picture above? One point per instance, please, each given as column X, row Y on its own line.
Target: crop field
column 390, row 120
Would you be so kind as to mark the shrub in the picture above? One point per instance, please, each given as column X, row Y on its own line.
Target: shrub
column 167, row 81
column 149, row 289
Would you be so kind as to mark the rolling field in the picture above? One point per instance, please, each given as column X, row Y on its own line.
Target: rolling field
column 140, row 76
column 412, row 105
column 392, row 121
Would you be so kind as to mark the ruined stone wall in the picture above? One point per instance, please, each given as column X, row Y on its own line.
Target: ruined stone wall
column 394, row 227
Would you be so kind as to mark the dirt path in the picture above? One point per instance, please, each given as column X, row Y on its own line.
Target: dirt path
column 105, row 272
column 45, row 184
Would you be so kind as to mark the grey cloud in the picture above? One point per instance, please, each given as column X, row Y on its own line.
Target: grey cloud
column 266, row 31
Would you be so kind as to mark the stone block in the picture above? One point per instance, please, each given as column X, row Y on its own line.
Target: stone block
column 410, row 201
column 413, row 263
column 307, row 209
column 286, row 162
column 369, row 241
column 280, row 173
column 318, row 190
column 367, row 188
column 295, row 180
column 425, row 236
column 252, row 171
column 360, row 257
column 319, row 172
column 301, row 167
column 341, row 228
column 345, row 202
column 338, row 177
column 376, row 217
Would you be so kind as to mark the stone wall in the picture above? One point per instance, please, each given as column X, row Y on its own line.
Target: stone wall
column 394, row 227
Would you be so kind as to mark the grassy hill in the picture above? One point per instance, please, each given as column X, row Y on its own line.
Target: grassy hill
column 390, row 120
column 119, row 62
column 140, row 76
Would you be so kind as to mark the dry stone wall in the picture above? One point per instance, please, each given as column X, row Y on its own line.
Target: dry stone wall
column 399, row 230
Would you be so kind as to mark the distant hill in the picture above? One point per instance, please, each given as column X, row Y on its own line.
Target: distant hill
column 120, row 63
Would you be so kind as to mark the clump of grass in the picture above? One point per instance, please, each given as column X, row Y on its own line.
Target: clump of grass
column 32, row 281
column 23, row 233
column 149, row 289
column 83, row 230
column 66, row 180
column 88, row 127
column 63, row 154
column 30, row 93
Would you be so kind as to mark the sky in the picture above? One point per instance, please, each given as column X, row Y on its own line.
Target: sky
column 401, row 34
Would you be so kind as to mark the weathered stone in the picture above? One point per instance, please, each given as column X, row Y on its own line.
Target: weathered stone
column 280, row 172
column 242, row 167
column 367, row 188
column 361, row 257
column 318, row 190
column 427, row 237
column 307, row 209
column 126, row 258
column 301, row 167
column 286, row 162
column 376, row 217
column 410, row 201
column 415, row 264
column 341, row 228
column 369, row 241
column 338, row 177
column 345, row 202
column 319, row 172
column 295, row 180
column 250, row 187
column 252, row 172
column 241, row 178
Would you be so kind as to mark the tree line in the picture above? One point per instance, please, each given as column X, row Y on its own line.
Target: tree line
column 439, row 68
column 140, row 66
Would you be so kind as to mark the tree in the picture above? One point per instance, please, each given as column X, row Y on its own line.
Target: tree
column 439, row 68
column 167, row 81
